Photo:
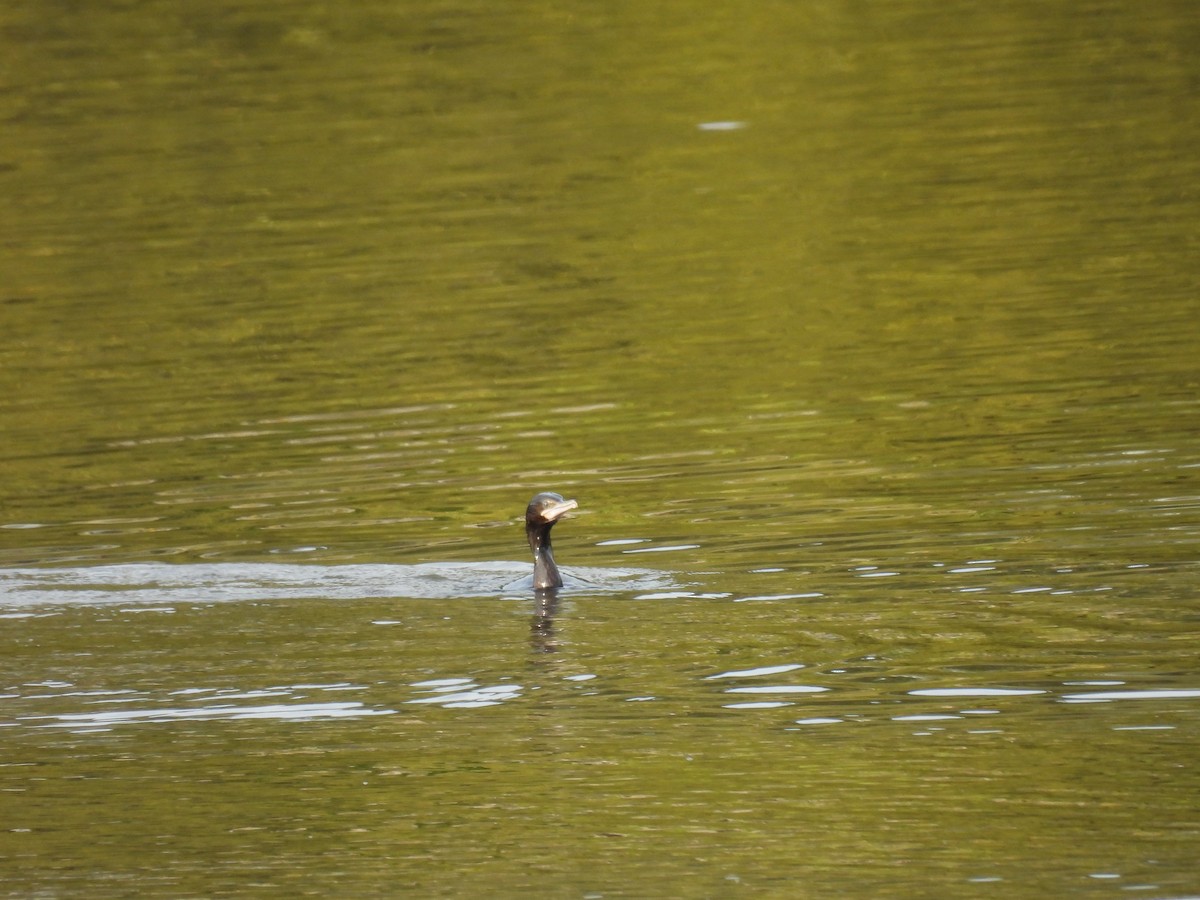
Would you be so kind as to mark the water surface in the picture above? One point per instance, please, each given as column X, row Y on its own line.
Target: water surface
column 865, row 338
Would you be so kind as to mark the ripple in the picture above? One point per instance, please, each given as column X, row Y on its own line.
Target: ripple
column 758, row 704
column 450, row 693
column 165, row 583
column 754, row 673
column 1153, row 694
column 807, row 596
column 665, row 549
column 682, row 595
column 292, row 712
column 975, row 693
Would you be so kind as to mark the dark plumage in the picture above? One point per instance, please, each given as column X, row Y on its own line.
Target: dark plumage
column 543, row 511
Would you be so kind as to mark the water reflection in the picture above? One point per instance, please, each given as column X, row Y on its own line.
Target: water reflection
column 289, row 712
column 1109, row 696
column 463, row 693
column 127, row 707
column 825, row 700
column 541, row 628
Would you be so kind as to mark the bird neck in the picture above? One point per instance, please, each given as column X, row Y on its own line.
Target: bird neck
column 545, row 572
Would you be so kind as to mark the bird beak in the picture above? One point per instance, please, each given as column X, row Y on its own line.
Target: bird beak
column 551, row 513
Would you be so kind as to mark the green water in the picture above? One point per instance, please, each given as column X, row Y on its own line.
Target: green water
column 869, row 332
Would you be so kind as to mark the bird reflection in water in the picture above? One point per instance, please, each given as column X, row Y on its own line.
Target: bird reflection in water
column 541, row 629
